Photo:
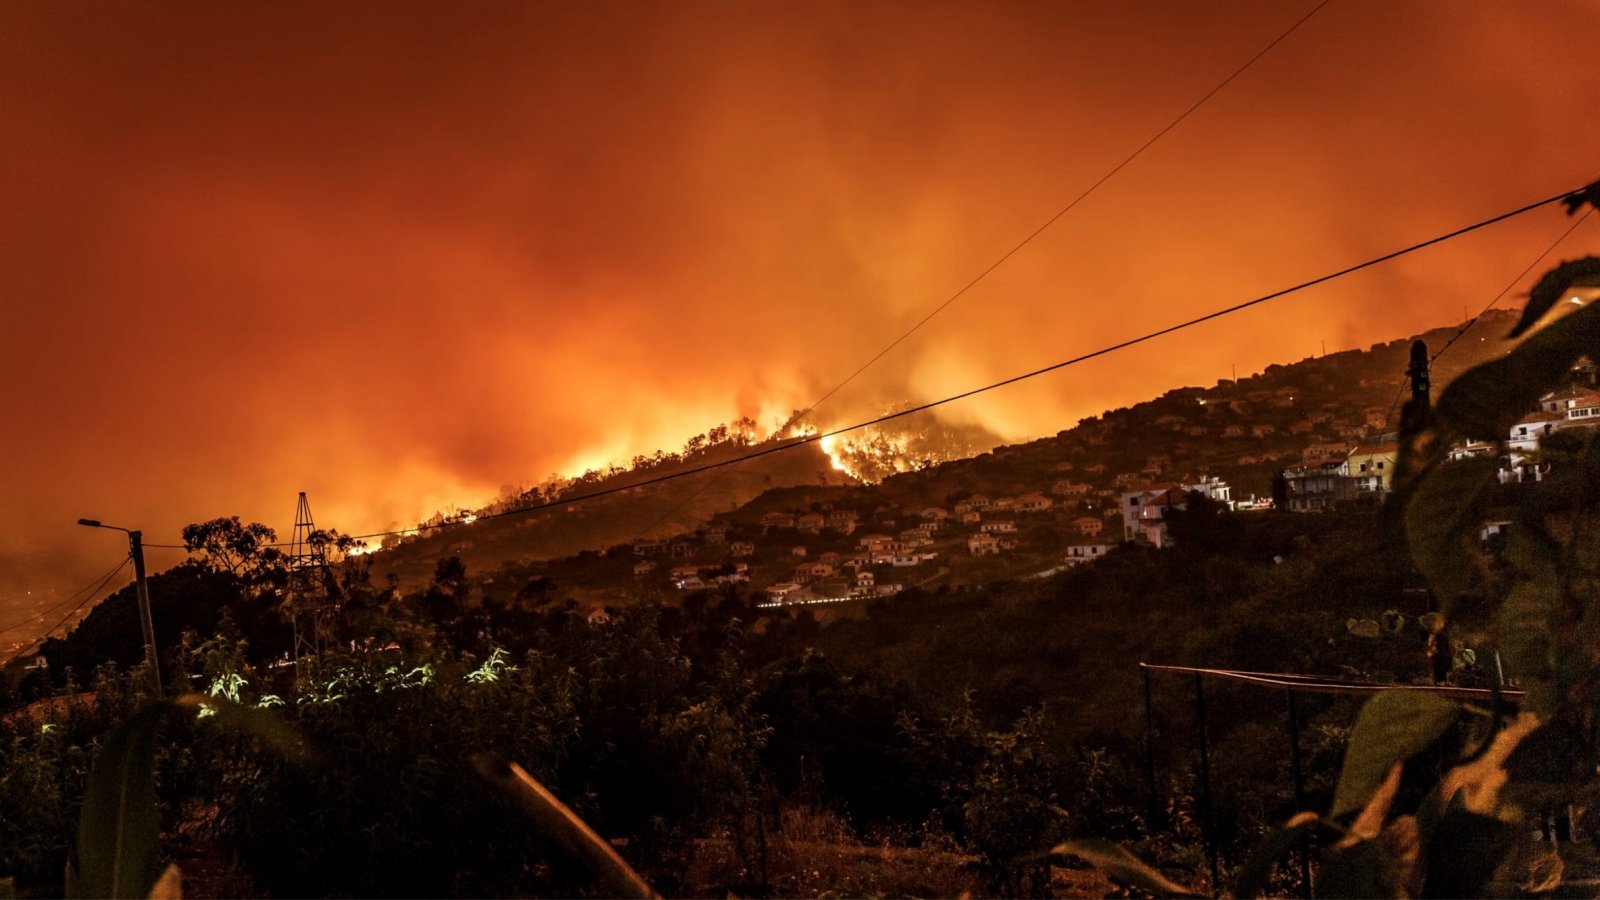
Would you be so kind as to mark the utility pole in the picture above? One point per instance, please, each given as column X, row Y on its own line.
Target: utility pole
column 1418, row 373
column 142, row 591
column 136, row 547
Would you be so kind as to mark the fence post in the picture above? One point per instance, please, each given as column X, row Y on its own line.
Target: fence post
column 1206, row 814
column 1151, row 805
column 1299, row 793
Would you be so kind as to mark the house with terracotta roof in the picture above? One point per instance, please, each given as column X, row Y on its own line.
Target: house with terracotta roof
column 1321, row 452
column 914, row 537
column 1142, row 511
column 866, row 585
column 1070, row 489
column 782, row 589
column 842, row 520
column 805, row 573
column 1575, row 401
column 1034, row 502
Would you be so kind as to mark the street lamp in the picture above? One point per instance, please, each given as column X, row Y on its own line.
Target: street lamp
column 136, row 550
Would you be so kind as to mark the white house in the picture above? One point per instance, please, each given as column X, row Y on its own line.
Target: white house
column 782, row 589
column 1082, row 551
column 983, row 544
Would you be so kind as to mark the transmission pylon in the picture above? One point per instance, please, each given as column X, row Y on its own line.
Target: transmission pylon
column 310, row 603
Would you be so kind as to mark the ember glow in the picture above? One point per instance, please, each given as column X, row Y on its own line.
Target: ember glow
column 400, row 257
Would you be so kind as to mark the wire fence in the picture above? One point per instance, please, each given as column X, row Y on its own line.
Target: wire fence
column 1293, row 687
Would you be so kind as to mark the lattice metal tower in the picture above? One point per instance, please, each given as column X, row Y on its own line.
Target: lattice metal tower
column 310, row 600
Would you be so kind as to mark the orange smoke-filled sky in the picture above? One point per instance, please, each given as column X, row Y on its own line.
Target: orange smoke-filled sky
column 400, row 254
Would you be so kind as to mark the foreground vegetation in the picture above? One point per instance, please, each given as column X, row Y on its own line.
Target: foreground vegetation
column 723, row 747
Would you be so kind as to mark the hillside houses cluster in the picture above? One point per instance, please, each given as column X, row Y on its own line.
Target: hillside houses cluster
column 830, row 553
column 1113, row 479
column 1327, row 477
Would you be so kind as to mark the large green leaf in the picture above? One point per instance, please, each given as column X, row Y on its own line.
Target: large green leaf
column 119, row 824
column 1465, row 850
column 1121, row 866
column 117, row 830
column 1442, row 522
column 1393, row 727
column 1573, row 482
column 1528, row 623
column 1484, row 402
column 1353, row 871
column 1554, row 285
column 1252, row 878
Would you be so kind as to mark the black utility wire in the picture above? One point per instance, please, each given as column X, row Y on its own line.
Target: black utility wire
column 1389, row 416
column 71, row 612
column 69, row 598
column 1069, row 207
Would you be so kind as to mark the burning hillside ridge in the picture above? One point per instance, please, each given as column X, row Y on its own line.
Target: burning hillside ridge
column 907, row 444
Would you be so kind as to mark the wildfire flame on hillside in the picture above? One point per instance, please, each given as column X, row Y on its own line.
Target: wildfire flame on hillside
column 907, row 445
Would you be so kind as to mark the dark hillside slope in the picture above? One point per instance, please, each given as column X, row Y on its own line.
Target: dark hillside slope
column 656, row 511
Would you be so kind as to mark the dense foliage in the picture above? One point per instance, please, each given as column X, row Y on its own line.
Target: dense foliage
column 993, row 722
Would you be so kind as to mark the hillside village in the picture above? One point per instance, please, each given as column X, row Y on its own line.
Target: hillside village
column 1321, row 429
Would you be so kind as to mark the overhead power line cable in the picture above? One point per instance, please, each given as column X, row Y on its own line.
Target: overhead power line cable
column 69, row 598
column 1085, row 357
column 1400, row 391
column 1507, row 289
column 1068, row 208
column 81, row 604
